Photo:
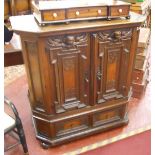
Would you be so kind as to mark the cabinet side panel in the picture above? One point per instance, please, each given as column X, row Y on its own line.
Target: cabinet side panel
column 33, row 66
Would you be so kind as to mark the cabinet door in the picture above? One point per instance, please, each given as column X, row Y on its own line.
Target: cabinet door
column 69, row 57
column 110, row 63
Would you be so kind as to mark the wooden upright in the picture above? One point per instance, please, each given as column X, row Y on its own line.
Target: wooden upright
column 79, row 75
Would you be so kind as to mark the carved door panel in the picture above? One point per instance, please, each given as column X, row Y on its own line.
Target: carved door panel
column 69, row 56
column 110, row 56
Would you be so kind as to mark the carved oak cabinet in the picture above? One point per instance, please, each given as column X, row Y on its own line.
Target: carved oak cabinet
column 79, row 75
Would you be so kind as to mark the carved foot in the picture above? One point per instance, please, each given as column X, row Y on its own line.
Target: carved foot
column 45, row 145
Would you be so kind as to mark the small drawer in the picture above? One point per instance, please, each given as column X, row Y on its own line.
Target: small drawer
column 110, row 116
column 87, row 12
column 53, row 15
column 119, row 11
column 71, row 125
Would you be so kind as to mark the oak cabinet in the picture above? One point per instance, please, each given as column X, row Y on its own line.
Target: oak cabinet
column 79, row 75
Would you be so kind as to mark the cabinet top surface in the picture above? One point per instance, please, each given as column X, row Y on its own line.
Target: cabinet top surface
column 28, row 24
column 65, row 4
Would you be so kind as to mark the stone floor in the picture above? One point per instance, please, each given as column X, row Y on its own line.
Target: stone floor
column 11, row 73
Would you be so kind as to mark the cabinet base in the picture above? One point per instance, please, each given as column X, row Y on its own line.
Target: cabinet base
column 46, row 143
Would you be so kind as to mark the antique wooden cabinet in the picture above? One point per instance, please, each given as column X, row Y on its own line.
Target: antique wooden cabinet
column 79, row 75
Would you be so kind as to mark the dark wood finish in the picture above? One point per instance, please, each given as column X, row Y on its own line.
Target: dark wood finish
column 119, row 11
column 70, row 57
column 13, row 52
column 111, row 64
column 13, row 58
column 79, row 75
column 74, row 13
column 66, row 11
column 54, row 15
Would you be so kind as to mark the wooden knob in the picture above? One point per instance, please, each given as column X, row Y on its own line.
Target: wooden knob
column 55, row 15
column 120, row 10
column 77, row 13
column 99, row 11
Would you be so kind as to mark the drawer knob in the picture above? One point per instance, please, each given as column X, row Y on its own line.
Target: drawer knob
column 120, row 10
column 77, row 13
column 137, row 78
column 99, row 11
column 55, row 15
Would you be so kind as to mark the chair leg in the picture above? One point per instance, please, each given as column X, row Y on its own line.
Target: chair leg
column 21, row 134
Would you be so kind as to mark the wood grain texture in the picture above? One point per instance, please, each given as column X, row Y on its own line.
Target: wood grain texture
column 119, row 11
column 53, row 15
column 86, row 12
column 78, row 10
column 79, row 76
column 75, row 27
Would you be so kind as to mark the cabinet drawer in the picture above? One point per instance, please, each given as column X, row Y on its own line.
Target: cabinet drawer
column 86, row 12
column 71, row 125
column 53, row 15
column 109, row 116
column 117, row 11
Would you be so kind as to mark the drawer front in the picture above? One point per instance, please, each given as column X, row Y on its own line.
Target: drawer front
column 86, row 12
column 110, row 116
column 71, row 126
column 43, row 127
column 119, row 11
column 53, row 15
